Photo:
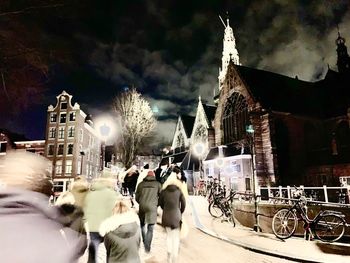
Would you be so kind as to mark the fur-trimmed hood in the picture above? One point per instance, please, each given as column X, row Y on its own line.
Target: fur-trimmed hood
column 173, row 180
column 115, row 221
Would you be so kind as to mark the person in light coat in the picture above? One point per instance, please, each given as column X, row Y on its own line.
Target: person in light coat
column 98, row 206
column 121, row 233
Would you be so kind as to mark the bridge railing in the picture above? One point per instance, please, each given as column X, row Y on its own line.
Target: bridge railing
column 323, row 194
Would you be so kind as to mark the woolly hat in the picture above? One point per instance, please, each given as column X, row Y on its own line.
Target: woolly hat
column 150, row 173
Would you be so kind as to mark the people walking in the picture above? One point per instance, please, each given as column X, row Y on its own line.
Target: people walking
column 98, row 206
column 173, row 203
column 130, row 181
column 142, row 174
column 31, row 230
column 147, row 194
column 121, row 234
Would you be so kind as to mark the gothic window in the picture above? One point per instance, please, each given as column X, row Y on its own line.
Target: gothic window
column 180, row 140
column 200, row 133
column 235, row 118
column 342, row 136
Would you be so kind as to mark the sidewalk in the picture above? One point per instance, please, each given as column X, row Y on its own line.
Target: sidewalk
column 293, row 248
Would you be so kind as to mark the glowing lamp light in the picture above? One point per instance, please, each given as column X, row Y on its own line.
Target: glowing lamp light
column 155, row 109
column 220, row 162
column 105, row 130
column 199, row 149
column 249, row 128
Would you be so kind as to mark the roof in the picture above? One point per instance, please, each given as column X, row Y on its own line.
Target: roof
column 325, row 98
column 190, row 162
column 188, row 122
column 176, row 158
column 230, row 150
column 209, row 112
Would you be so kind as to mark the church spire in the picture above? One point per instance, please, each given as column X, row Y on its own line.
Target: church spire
column 343, row 60
column 229, row 52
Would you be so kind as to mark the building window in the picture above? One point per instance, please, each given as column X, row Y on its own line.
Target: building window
column 89, row 140
column 61, row 133
column 72, row 116
column 71, row 131
column 235, row 118
column 68, row 167
column 52, row 133
column 58, row 187
column 60, row 149
column 70, row 149
column 3, row 145
column 53, row 117
column 81, row 135
column 63, row 105
column 58, row 167
column 50, row 149
column 63, row 117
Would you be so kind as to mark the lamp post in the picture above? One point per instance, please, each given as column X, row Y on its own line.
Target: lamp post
column 82, row 154
column 104, row 131
column 199, row 150
column 251, row 140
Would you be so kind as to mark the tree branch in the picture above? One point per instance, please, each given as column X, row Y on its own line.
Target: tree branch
column 28, row 9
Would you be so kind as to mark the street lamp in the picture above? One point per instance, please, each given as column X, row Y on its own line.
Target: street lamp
column 82, row 153
column 199, row 149
column 251, row 140
column 104, row 132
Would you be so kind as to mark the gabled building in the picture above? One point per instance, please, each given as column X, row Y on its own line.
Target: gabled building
column 72, row 143
column 296, row 131
column 182, row 135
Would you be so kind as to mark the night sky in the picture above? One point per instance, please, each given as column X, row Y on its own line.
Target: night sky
column 170, row 51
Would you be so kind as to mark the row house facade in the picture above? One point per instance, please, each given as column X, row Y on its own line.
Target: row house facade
column 72, row 144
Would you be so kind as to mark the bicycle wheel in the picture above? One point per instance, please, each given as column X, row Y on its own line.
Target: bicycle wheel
column 215, row 210
column 284, row 223
column 329, row 228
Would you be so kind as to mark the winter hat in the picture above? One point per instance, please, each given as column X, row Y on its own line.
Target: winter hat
column 146, row 166
column 150, row 173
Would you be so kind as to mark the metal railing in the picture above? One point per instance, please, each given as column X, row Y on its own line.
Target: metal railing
column 323, row 194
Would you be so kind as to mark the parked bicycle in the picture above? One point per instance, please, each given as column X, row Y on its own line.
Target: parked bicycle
column 220, row 206
column 328, row 225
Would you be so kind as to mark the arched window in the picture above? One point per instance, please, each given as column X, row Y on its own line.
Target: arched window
column 342, row 134
column 235, row 118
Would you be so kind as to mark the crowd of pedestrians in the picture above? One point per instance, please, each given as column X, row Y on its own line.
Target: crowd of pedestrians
column 88, row 214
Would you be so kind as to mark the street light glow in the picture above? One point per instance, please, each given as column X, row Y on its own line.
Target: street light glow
column 106, row 127
column 199, row 149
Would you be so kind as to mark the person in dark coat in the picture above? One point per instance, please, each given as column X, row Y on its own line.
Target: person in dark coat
column 147, row 194
column 121, row 234
column 173, row 203
column 31, row 230
column 130, row 181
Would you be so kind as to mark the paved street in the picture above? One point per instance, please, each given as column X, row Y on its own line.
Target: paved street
column 199, row 247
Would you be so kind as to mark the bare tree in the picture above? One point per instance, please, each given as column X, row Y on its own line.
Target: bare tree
column 137, row 122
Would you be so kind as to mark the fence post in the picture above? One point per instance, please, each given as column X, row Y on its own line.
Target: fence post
column 280, row 191
column 268, row 193
column 325, row 193
column 288, row 192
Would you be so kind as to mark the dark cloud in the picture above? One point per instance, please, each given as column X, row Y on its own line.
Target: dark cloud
column 171, row 50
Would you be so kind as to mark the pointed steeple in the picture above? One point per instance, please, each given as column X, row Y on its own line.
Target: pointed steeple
column 343, row 60
column 229, row 50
